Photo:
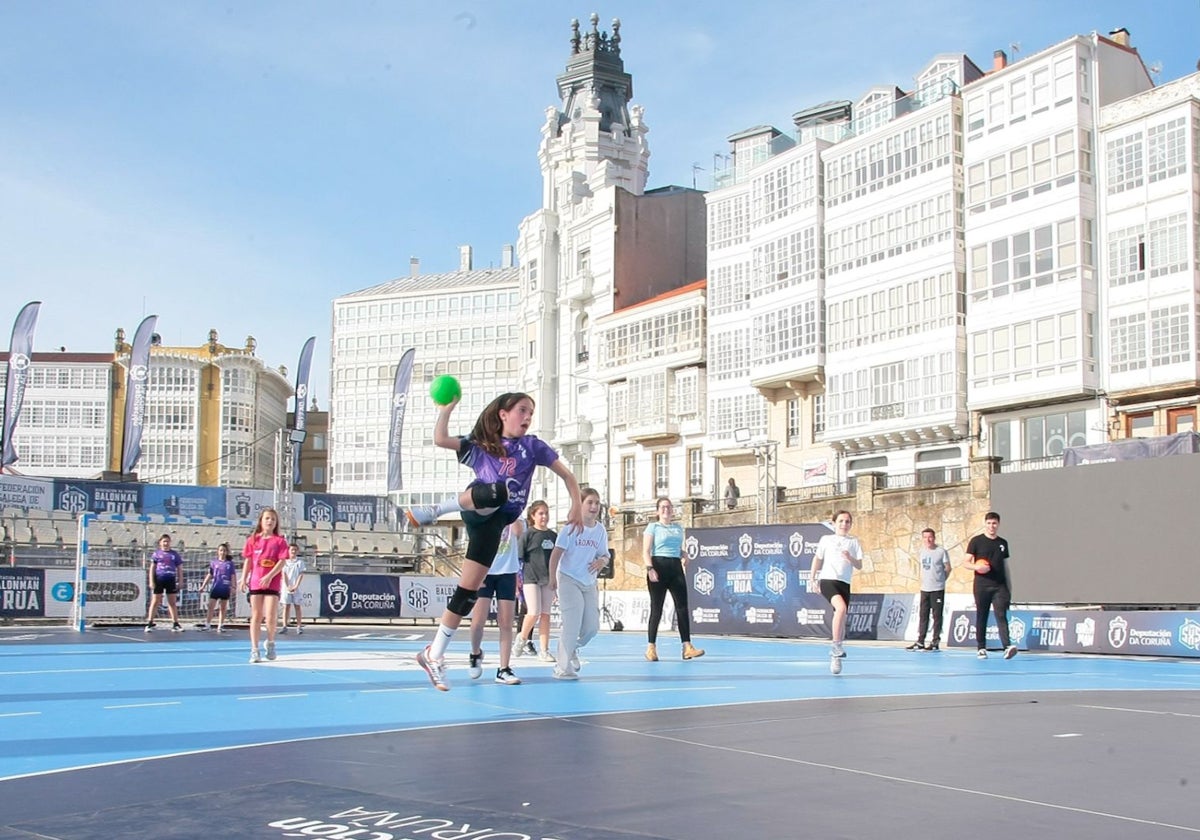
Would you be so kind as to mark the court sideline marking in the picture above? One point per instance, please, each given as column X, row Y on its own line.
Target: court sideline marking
column 889, row 778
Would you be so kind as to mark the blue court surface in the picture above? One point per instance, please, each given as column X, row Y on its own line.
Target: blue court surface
column 117, row 733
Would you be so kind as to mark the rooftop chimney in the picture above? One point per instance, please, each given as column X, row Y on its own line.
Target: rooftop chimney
column 506, row 256
column 1120, row 36
column 414, row 266
column 464, row 257
column 999, row 60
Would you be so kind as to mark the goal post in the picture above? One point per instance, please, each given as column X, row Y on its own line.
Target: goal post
column 113, row 554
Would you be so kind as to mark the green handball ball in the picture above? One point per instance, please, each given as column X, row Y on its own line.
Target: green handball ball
column 444, row 389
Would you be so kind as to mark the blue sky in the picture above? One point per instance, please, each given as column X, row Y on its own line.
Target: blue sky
column 238, row 165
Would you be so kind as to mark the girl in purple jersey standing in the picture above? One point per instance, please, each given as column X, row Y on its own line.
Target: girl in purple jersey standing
column 504, row 458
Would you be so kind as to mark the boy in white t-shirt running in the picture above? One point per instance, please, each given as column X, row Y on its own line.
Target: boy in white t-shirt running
column 838, row 555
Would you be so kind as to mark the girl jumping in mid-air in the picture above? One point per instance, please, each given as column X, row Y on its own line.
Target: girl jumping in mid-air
column 504, row 458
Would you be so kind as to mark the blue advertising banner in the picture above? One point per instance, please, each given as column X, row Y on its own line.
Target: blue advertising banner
column 22, row 592
column 97, row 496
column 184, row 500
column 360, row 596
column 1131, row 633
column 753, row 581
column 359, row 510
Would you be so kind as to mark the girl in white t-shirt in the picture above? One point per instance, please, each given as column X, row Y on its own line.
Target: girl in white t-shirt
column 838, row 555
column 575, row 562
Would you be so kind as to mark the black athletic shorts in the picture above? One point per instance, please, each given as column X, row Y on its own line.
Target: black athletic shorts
column 829, row 588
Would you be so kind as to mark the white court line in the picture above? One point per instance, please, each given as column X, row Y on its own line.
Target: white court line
column 18, row 714
column 118, row 670
column 669, row 690
column 145, row 705
column 1139, row 711
column 900, row 779
column 271, row 696
column 393, row 690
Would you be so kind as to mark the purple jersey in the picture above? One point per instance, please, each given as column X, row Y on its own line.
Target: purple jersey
column 166, row 563
column 523, row 456
column 222, row 572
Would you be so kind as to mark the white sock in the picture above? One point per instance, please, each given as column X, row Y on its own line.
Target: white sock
column 441, row 641
column 448, row 506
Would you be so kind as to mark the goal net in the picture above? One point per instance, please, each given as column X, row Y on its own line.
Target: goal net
column 113, row 556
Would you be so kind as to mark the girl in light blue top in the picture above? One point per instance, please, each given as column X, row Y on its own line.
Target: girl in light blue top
column 662, row 554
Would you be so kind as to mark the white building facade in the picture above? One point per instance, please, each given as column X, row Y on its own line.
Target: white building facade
column 462, row 323
column 1149, row 194
column 1035, row 370
column 598, row 244
column 64, row 426
column 930, row 257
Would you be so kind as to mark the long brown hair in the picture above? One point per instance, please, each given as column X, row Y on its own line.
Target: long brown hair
column 489, row 428
column 258, row 527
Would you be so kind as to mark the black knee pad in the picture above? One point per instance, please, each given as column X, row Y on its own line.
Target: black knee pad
column 486, row 496
column 462, row 601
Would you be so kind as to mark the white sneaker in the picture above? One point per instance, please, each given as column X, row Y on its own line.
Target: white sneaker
column 202, row 627
column 837, row 650
column 574, row 661
column 475, row 665
column 271, row 651
column 546, row 656
column 299, row 630
column 149, row 627
column 283, row 630
column 434, row 668
column 981, row 654
column 835, row 665
column 1010, row 651
column 255, row 656
column 560, row 674
column 419, row 515
column 505, row 676
column 220, row 628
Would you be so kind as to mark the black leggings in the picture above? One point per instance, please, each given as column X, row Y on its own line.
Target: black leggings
column 997, row 597
column 671, row 578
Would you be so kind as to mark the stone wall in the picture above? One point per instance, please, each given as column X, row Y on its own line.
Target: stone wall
column 888, row 523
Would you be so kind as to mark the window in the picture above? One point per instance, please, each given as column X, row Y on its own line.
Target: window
column 662, row 473
column 793, row 422
column 1169, row 339
column 583, row 261
column 695, row 459
column 1127, row 350
column 1125, row 165
column 628, row 487
column 859, row 465
column 318, row 475
column 1181, row 420
column 1168, row 245
column 1051, row 434
column 532, row 275
column 818, row 416
column 1140, row 425
column 1126, row 257
column 1167, row 149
